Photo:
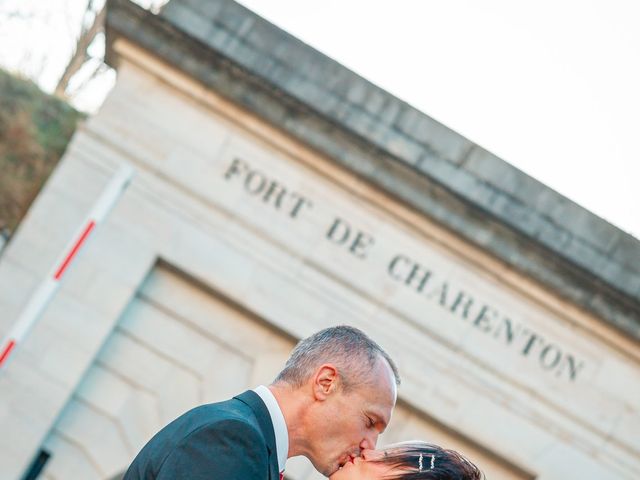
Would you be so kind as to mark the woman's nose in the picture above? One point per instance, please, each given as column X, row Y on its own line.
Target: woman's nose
column 370, row 454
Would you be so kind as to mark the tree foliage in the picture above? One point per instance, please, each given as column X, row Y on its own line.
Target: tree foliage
column 35, row 129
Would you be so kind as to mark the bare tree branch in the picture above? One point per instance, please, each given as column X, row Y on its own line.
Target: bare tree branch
column 80, row 55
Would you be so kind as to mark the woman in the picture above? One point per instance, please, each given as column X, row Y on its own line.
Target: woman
column 409, row 461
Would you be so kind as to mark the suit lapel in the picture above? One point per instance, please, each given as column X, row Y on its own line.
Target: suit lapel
column 253, row 400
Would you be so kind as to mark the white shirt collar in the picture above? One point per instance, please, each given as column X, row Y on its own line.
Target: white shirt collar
column 279, row 424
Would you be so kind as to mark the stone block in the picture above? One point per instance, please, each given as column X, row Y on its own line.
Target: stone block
column 516, row 214
column 502, row 175
column 330, row 75
column 360, row 122
column 30, row 401
column 389, row 111
column 17, row 284
column 263, row 37
column 307, row 91
column 281, row 75
column 428, row 131
column 105, row 391
column 259, row 63
column 591, row 228
column 179, row 392
column 223, row 383
column 139, row 420
column 447, row 174
column 553, row 235
column 218, row 37
column 82, row 424
column 626, row 251
column 69, row 461
column 234, row 17
column 135, row 363
column 375, row 101
column 298, row 468
column 358, row 92
column 209, row 9
column 403, row 147
column 189, row 20
column 359, row 161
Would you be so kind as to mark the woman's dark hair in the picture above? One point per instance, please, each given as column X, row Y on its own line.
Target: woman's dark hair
column 424, row 461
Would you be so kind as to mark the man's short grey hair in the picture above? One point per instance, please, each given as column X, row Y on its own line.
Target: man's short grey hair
column 352, row 352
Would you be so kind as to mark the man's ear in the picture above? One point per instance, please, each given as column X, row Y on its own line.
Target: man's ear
column 325, row 381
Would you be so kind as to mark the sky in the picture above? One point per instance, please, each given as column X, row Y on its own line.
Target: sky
column 549, row 86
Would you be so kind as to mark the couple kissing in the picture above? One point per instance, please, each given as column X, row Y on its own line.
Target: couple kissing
column 330, row 402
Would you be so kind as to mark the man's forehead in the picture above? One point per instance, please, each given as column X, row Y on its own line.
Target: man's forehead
column 378, row 394
column 379, row 403
column 385, row 381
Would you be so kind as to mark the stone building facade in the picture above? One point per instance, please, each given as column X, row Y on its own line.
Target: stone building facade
column 277, row 193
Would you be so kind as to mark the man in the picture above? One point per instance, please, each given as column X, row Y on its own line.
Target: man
column 332, row 400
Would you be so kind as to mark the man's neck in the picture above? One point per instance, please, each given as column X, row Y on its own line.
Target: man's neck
column 293, row 406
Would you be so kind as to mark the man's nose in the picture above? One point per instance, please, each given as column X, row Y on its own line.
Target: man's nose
column 369, row 441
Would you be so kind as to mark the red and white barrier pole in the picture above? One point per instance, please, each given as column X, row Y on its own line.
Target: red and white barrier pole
column 50, row 284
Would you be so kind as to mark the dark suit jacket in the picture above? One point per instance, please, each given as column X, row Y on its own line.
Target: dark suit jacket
column 232, row 440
